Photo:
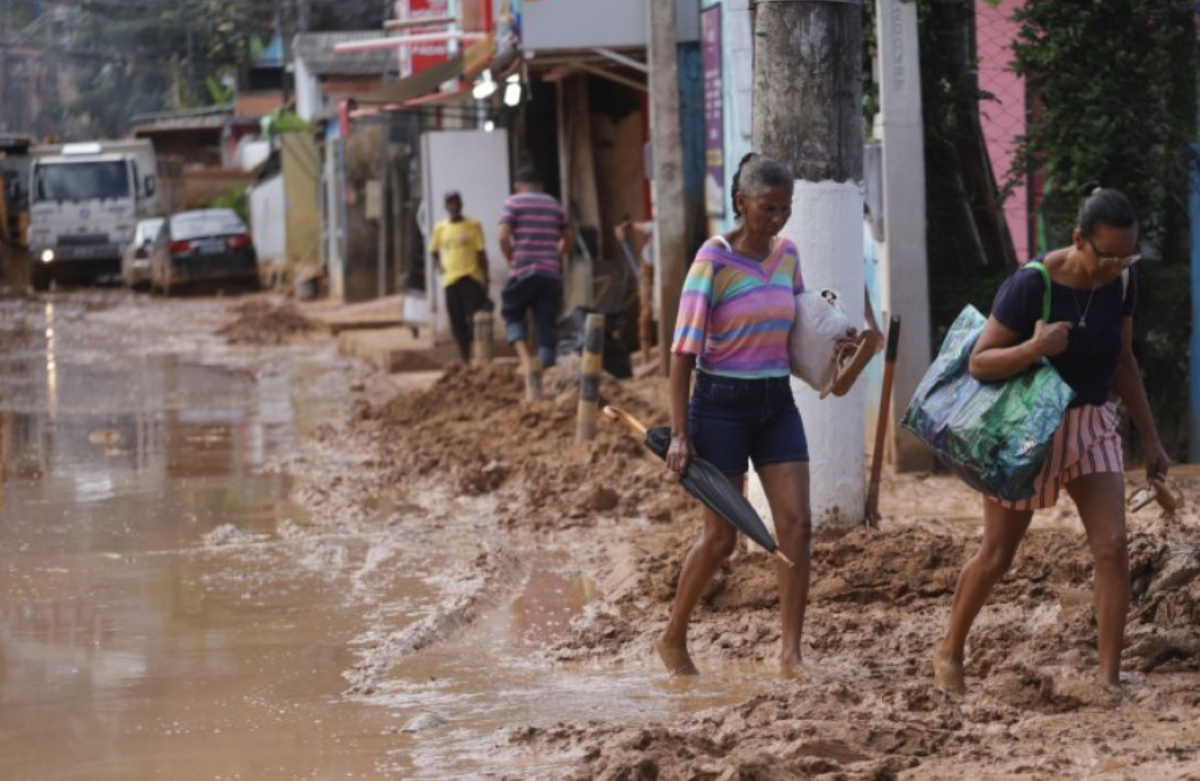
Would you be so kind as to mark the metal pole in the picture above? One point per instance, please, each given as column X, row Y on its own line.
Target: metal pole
column 1194, row 216
column 589, row 379
column 384, row 217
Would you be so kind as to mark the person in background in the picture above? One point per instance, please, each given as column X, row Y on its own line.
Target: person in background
column 534, row 237
column 458, row 249
column 1089, row 340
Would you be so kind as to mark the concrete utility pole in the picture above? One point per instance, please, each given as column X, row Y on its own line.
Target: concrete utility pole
column 666, row 143
column 808, row 116
column 904, row 277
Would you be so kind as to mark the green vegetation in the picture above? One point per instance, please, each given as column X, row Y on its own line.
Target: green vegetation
column 238, row 200
column 1116, row 82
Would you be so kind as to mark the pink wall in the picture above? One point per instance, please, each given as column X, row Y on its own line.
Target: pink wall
column 1003, row 118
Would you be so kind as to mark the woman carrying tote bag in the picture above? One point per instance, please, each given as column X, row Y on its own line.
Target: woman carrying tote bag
column 1088, row 340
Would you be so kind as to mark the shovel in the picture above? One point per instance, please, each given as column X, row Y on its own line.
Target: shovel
column 881, row 422
column 705, row 482
column 1157, row 490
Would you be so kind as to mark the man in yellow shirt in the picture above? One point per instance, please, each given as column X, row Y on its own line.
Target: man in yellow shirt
column 458, row 249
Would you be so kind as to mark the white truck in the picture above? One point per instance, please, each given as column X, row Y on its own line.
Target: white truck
column 85, row 201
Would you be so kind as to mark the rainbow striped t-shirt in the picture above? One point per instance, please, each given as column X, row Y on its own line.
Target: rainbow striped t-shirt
column 735, row 313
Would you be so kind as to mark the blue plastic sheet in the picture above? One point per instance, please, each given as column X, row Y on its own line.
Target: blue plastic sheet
column 992, row 435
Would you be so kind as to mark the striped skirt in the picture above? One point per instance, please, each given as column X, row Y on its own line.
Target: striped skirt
column 1086, row 443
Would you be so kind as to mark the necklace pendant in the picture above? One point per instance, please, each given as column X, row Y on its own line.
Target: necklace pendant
column 1083, row 323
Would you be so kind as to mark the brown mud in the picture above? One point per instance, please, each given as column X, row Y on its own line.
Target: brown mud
column 865, row 708
column 264, row 321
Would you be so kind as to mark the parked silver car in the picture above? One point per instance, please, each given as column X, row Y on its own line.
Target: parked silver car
column 135, row 259
column 207, row 245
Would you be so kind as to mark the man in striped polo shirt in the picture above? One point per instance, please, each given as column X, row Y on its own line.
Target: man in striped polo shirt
column 535, row 237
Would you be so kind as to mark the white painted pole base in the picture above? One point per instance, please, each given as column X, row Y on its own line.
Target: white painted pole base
column 826, row 226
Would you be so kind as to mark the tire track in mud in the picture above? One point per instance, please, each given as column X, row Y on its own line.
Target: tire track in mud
column 345, row 480
column 469, row 589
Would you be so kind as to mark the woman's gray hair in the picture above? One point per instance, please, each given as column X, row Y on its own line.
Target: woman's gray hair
column 757, row 172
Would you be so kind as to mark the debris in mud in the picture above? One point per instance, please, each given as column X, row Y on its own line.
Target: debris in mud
column 104, row 436
column 474, row 426
column 262, row 322
column 424, row 721
column 602, row 499
column 469, row 588
column 227, row 534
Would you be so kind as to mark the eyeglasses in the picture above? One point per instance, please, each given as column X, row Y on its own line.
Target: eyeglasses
column 1110, row 261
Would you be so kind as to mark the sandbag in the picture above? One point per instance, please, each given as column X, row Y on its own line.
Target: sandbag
column 994, row 435
column 812, row 342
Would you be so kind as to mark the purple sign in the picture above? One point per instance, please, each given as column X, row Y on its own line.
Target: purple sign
column 714, row 112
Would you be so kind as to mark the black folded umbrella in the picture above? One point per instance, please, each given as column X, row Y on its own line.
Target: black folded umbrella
column 705, row 482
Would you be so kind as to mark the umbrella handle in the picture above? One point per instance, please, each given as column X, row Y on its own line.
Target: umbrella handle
column 618, row 415
column 784, row 558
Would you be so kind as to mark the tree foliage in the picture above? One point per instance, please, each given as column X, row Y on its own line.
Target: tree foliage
column 1115, row 82
column 139, row 58
column 144, row 56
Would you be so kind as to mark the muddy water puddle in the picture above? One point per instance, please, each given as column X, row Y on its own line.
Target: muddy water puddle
column 489, row 685
column 160, row 618
column 130, row 648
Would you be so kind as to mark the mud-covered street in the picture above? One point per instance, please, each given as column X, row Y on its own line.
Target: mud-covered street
column 226, row 552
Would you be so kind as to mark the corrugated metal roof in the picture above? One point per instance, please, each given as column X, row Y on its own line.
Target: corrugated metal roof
column 316, row 49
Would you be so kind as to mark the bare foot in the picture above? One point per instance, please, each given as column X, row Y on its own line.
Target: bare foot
column 948, row 672
column 792, row 665
column 676, row 658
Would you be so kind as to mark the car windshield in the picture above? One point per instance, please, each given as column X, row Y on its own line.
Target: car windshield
column 82, row 181
column 195, row 225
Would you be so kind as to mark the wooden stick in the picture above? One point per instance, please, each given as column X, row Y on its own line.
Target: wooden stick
column 881, row 423
column 483, row 338
column 784, row 558
column 618, row 415
column 589, row 378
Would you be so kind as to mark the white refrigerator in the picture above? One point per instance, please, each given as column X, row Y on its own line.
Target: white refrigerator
column 475, row 164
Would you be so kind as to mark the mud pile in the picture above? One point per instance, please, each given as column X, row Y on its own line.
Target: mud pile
column 474, row 431
column 262, row 322
column 866, row 708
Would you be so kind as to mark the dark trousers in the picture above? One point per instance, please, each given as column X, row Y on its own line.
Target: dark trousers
column 541, row 294
column 464, row 298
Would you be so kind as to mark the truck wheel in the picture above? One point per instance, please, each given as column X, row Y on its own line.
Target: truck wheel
column 40, row 278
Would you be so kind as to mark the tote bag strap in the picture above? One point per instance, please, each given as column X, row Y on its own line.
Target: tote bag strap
column 1046, row 292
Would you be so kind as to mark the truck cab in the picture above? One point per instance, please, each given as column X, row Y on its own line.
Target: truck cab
column 85, row 201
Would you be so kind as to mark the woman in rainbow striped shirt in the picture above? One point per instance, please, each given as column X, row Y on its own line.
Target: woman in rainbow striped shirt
column 737, row 308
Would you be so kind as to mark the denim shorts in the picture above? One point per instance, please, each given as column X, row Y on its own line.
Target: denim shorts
column 733, row 421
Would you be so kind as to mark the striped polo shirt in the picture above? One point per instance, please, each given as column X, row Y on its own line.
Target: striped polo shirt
column 735, row 313
column 537, row 223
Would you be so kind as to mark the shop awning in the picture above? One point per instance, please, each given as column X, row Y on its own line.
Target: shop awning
column 415, row 86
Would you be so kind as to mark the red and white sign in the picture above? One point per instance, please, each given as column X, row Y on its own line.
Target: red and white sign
column 414, row 59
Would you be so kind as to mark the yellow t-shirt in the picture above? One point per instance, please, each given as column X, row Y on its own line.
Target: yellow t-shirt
column 459, row 244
